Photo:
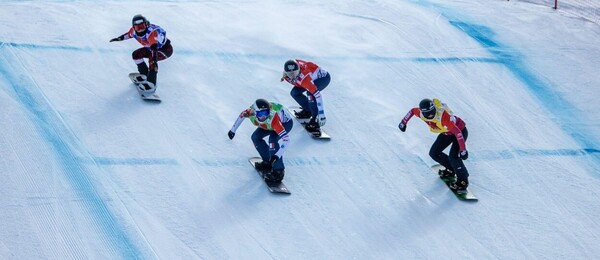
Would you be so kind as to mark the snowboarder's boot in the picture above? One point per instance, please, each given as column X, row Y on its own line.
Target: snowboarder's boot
column 446, row 174
column 152, row 77
column 303, row 114
column 276, row 175
column 263, row 166
column 312, row 126
column 142, row 68
column 459, row 186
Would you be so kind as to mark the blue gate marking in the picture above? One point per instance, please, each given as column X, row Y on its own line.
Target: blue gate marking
column 560, row 108
column 131, row 161
column 51, row 128
column 238, row 56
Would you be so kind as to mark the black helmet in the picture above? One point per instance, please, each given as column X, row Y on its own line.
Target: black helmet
column 427, row 108
column 140, row 24
column 291, row 69
column 262, row 109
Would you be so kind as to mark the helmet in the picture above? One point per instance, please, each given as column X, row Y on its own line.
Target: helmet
column 140, row 25
column 262, row 109
column 291, row 69
column 427, row 108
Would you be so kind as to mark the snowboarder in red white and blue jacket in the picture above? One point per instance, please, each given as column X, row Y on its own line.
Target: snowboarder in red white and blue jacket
column 156, row 46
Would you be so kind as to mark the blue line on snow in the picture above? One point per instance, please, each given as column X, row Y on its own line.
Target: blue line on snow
column 511, row 59
column 290, row 161
column 49, row 47
column 348, row 161
column 511, row 154
column 51, row 128
column 232, row 55
column 134, row 161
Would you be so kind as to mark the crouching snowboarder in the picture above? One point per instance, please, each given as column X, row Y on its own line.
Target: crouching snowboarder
column 272, row 120
column 452, row 131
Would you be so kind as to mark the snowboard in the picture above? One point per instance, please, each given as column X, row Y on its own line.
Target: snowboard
column 469, row 196
column 303, row 121
column 274, row 187
column 150, row 96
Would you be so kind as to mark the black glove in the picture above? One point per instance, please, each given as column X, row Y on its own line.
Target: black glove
column 463, row 154
column 231, row 135
column 402, row 127
column 118, row 39
column 273, row 159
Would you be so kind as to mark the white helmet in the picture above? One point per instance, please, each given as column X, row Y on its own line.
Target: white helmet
column 291, row 69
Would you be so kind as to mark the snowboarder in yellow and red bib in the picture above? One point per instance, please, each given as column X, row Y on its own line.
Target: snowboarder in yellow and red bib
column 452, row 131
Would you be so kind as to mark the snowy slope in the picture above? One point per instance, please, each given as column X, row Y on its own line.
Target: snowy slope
column 91, row 171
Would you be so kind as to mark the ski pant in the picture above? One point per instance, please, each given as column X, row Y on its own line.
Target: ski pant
column 266, row 151
column 451, row 160
column 146, row 53
column 308, row 101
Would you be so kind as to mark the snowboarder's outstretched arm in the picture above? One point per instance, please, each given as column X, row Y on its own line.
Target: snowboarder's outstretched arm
column 118, row 39
column 407, row 118
column 125, row 36
column 238, row 122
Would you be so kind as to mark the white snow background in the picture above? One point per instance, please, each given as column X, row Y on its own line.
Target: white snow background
column 90, row 171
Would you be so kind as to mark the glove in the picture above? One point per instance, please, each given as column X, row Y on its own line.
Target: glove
column 117, row 39
column 321, row 118
column 231, row 135
column 402, row 127
column 463, row 155
column 273, row 159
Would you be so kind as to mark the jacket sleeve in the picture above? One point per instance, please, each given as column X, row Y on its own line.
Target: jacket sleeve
column 240, row 120
column 129, row 34
column 410, row 114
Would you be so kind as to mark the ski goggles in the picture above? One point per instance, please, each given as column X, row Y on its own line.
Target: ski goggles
column 292, row 74
column 140, row 27
column 262, row 114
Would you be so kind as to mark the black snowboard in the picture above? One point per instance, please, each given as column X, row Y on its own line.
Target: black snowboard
column 469, row 196
column 274, row 187
column 317, row 135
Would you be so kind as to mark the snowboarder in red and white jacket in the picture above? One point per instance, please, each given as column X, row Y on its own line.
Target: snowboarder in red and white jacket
column 452, row 131
column 156, row 46
column 310, row 78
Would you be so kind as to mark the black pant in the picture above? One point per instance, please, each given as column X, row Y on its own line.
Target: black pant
column 163, row 53
column 451, row 160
